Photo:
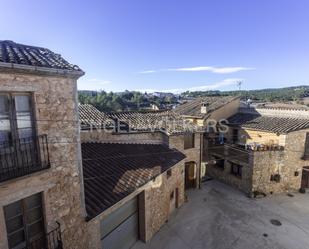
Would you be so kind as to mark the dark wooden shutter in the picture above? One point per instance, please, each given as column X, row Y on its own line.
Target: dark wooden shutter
column 25, row 222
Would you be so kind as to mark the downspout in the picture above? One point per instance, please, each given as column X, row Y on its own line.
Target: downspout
column 201, row 157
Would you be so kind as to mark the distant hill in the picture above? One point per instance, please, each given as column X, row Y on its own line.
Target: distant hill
column 296, row 93
column 133, row 100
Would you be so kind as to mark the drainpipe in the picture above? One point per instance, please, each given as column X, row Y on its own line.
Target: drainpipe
column 201, row 157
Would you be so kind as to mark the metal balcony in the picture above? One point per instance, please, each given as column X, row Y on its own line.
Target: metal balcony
column 23, row 157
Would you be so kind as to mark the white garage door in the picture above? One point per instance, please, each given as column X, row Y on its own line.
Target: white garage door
column 119, row 230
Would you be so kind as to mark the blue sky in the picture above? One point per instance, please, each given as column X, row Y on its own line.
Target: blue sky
column 170, row 45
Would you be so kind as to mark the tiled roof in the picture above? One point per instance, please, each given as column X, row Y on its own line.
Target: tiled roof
column 193, row 107
column 283, row 106
column 14, row 53
column 90, row 116
column 113, row 171
column 269, row 123
column 167, row 121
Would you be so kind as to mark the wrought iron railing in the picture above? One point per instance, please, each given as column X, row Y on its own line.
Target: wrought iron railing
column 51, row 240
column 23, row 156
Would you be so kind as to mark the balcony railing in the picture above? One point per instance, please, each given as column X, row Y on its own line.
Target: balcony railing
column 23, row 156
column 240, row 153
column 51, row 240
column 229, row 152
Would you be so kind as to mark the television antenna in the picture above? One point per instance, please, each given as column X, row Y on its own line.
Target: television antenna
column 239, row 83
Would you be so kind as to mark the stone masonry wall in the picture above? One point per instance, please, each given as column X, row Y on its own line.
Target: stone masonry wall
column 286, row 163
column 154, row 205
column 56, row 114
column 158, row 205
column 192, row 154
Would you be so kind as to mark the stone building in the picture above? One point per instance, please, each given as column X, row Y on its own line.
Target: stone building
column 41, row 200
column 152, row 167
column 265, row 151
column 205, row 110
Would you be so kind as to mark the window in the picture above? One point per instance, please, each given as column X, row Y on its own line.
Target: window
column 235, row 136
column 16, row 119
column 25, row 223
column 219, row 162
column 236, row 169
column 188, row 140
column 169, row 173
column 172, row 195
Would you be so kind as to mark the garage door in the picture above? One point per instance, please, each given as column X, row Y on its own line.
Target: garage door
column 119, row 230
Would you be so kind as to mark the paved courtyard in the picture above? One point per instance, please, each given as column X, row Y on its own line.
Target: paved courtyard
column 220, row 217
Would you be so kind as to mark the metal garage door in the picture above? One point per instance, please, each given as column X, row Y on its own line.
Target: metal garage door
column 119, row 230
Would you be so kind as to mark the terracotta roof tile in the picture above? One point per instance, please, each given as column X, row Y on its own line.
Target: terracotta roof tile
column 90, row 116
column 113, row 171
column 14, row 53
column 269, row 123
column 193, row 107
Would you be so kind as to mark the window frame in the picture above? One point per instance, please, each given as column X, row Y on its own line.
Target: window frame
column 14, row 131
column 24, row 213
column 238, row 172
column 220, row 165
column 192, row 141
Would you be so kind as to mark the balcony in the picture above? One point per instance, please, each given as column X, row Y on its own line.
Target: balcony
column 51, row 240
column 239, row 153
column 23, row 157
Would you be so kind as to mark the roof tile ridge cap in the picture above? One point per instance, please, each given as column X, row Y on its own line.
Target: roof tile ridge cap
column 269, row 115
column 282, row 108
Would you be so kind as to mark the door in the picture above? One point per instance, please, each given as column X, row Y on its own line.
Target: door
column 190, row 175
column 120, row 229
column 172, row 201
column 305, row 177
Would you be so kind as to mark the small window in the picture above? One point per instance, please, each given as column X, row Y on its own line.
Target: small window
column 219, row 162
column 236, row 169
column 169, row 173
column 235, row 136
column 189, row 141
column 172, row 195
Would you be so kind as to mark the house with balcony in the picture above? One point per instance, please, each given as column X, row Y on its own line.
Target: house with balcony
column 263, row 151
column 41, row 200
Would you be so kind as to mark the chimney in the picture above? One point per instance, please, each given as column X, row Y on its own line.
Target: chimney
column 204, row 108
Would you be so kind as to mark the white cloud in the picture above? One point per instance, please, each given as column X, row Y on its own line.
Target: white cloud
column 213, row 86
column 217, row 70
column 148, row 71
column 92, row 84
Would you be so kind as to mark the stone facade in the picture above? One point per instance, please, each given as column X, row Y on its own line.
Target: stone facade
column 154, row 205
column 55, row 107
column 155, row 202
column 260, row 167
column 193, row 154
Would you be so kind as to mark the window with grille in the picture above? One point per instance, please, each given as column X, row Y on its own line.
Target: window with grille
column 16, row 119
column 25, row 223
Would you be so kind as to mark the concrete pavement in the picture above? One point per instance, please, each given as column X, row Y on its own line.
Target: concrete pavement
column 220, row 217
